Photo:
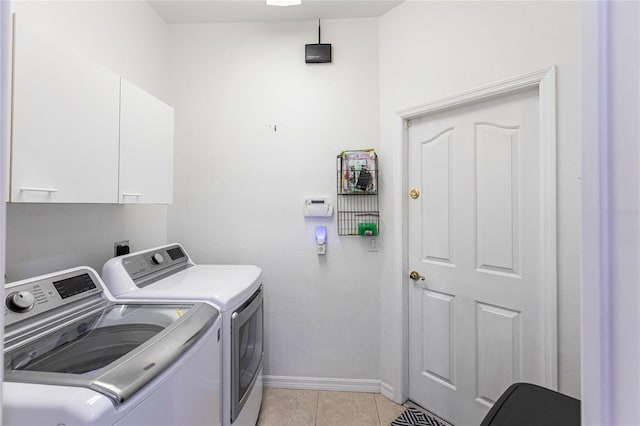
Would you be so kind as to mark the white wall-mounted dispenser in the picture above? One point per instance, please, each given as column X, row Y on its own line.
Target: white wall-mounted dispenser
column 318, row 207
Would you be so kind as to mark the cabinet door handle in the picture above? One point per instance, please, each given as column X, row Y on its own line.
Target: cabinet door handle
column 33, row 189
column 132, row 194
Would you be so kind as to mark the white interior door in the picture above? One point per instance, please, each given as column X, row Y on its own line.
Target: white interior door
column 475, row 233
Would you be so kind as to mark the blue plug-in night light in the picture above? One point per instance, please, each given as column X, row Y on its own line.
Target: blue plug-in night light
column 321, row 239
column 321, row 234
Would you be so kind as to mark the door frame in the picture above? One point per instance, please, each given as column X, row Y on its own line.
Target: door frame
column 5, row 119
column 545, row 81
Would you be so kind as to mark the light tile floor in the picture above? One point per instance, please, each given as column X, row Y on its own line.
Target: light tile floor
column 289, row 407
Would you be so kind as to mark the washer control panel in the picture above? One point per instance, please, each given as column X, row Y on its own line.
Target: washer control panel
column 142, row 264
column 29, row 298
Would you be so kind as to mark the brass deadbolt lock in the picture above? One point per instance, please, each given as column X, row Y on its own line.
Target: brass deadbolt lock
column 414, row 193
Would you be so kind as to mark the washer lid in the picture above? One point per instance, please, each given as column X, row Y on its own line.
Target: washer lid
column 226, row 286
column 114, row 351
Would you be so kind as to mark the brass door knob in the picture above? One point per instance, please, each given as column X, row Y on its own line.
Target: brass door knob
column 414, row 193
column 416, row 276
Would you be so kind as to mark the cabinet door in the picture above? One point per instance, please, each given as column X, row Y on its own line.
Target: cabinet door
column 65, row 125
column 146, row 147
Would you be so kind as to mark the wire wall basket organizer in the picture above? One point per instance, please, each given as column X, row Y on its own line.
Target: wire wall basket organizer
column 357, row 190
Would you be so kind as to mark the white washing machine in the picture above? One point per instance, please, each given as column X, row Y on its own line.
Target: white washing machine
column 168, row 273
column 75, row 356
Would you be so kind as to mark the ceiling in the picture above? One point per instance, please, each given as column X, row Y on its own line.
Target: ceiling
column 201, row 11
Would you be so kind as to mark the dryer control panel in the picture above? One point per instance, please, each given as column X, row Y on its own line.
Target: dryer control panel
column 142, row 265
column 28, row 298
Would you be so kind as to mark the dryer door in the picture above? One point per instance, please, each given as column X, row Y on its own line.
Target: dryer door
column 247, row 350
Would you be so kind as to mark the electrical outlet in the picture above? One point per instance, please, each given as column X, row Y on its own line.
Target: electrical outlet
column 121, row 247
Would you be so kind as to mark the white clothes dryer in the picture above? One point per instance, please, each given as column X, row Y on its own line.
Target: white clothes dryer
column 168, row 273
column 75, row 356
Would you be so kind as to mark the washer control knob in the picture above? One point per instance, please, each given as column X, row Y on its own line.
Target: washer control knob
column 157, row 258
column 20, row 301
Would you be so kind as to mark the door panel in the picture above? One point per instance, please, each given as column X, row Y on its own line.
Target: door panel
column 498, row 351
column 437, row 241
column 496, row 197
column 477, row 321
column 438, row 348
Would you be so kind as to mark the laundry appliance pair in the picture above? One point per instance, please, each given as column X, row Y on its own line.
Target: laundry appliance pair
column 161, row 341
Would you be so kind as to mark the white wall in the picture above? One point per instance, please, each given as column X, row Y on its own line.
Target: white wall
column 623, row 214
column 429, row 50
column 611, row 215
column 240, row 186
column 131, row 40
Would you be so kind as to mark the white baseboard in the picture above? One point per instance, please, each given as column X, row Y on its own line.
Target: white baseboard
column 386, row 390
column 328, row 384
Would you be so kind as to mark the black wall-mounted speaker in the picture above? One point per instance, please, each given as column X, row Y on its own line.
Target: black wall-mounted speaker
column 319, row 53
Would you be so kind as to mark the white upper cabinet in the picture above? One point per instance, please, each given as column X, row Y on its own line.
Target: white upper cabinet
column 146, row 147
column 64, row 146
